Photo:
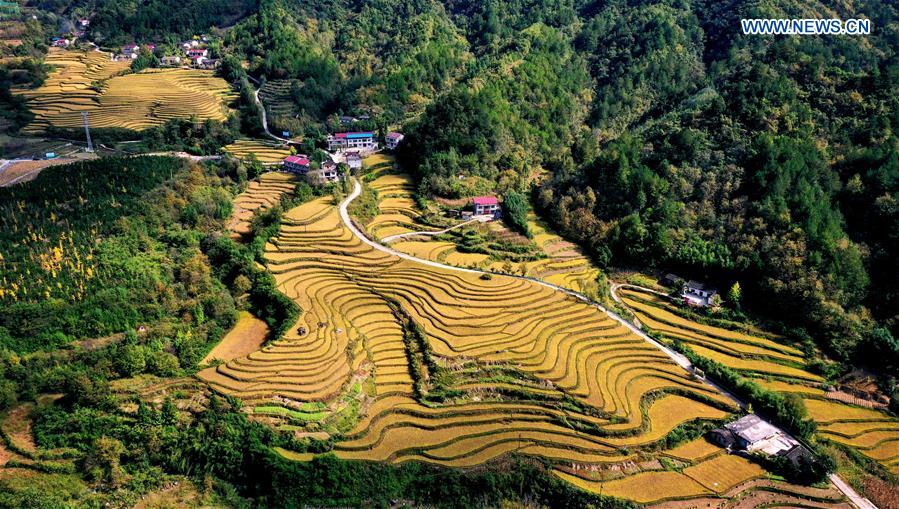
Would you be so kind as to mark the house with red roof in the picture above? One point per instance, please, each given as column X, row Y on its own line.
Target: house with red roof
column 486, row 206
column 296, row 164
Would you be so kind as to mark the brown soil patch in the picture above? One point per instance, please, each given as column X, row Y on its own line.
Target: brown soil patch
column 245, row 338
column 883, row 494
column 845, row 397
column 17, row 425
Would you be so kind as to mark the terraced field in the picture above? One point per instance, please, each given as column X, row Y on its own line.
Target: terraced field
column 565, row 264
column 507, row 365
column 703, row 476
column 90, row 81
column 275, row 94
column 267, row 152
column 772, row 363
column 262, row 193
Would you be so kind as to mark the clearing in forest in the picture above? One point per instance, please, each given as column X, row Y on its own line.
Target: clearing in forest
column 400, row 361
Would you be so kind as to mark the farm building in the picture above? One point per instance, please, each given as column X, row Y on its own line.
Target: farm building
column 751, row 433
column 485, row 206
column 131, row 51
column 354, row 160
column 698, row 294
column 393, row 140
column 325, row 175
column 296, row 164
column 672, row 280
column 349, row 141
column 171, row 60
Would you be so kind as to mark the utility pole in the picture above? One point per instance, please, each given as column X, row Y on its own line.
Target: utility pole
column 87, row 132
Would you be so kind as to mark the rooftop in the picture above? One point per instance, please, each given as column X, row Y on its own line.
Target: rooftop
column 354, row 135
column 752, row 429
column 302, row 161
column 696, row 285
column 484, row 200
column 394, row 135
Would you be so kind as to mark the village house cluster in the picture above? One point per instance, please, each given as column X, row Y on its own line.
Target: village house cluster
column 360, row 141
column 300, row 164
column 348, row 147
column 192, row 53
column 68, row 38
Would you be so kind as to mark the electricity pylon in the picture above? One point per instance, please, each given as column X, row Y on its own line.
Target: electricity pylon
column 87, row 132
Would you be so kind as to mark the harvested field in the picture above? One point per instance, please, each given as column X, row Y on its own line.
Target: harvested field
column 776, row 367
column 16, row 425
column 358, row 304
column 267, row 152
column 246, row 337
column 643, row 487
column 261, row 194
column 764, row 493
column 19, row 172
column 724, row 472
column 91, row 82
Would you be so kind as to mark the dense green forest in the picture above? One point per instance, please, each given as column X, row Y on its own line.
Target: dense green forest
column 129, row 256
column 118, row 22
column 675, row 142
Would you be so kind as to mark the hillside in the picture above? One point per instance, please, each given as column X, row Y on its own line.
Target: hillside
column 197, row 330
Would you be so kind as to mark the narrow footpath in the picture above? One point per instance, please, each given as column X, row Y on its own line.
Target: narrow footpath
column 858, row 500
column 388, row 240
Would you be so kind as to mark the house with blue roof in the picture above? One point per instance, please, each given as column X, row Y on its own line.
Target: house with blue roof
column 362, row 141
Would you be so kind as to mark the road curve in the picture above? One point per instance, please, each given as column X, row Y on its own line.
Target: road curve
column 858, row 500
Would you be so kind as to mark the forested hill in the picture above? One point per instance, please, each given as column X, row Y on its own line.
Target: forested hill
column 771, row 161
column 662, row 136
